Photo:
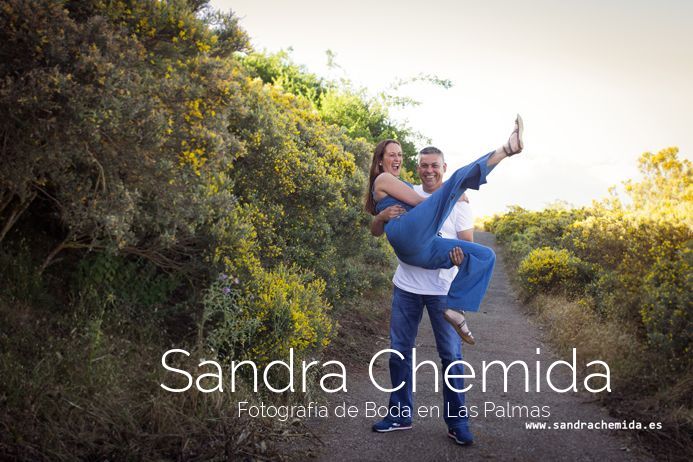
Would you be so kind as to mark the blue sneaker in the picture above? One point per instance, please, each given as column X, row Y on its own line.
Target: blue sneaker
column 385, row 426
column 461, row 435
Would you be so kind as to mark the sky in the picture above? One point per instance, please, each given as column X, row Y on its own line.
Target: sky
column 597, row 82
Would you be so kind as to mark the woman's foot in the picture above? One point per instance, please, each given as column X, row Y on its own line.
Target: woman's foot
column 456, row 318
column 515, row 144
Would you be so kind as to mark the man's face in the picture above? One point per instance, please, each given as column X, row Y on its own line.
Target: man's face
column 431, row 169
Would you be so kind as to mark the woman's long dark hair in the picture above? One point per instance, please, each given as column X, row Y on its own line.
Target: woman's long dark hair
column 376, row 169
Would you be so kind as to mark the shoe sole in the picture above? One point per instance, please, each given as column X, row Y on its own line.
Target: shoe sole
column 392, row 429
column 461, row 443
column 465, row 338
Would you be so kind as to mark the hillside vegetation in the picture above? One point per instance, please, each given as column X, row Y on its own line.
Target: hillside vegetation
column 614, row 281
column 164, row 185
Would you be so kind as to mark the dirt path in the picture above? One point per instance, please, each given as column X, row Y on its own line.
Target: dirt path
column 504, row 333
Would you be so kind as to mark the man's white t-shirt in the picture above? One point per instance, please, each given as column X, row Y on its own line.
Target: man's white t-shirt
column 435, row 282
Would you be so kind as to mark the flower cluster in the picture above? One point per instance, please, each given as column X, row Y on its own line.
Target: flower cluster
column 223, row 277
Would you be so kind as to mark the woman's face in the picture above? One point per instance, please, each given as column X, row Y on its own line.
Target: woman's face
column 392, row 159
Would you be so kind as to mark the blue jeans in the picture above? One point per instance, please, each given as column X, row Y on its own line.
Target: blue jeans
column 407, row 309
column 414, row 237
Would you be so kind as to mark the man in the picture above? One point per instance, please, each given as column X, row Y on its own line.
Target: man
column 415, row 288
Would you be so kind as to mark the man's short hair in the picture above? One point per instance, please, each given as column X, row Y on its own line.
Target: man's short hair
column 431, row 150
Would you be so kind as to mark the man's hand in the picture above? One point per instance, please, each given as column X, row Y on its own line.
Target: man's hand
column 457, row 256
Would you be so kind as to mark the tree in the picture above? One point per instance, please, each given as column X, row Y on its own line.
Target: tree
column 666, row 189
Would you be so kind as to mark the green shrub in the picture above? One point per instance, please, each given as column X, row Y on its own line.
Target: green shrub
column 606, row 290
column 231, row 329
column 19, row 279
column 523, row 230
column 134, row 285
column 276, row 310
column 666, row 312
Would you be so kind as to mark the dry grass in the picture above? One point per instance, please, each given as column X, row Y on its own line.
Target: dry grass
column 95, row 395
column 361, row 324
column 573, row 324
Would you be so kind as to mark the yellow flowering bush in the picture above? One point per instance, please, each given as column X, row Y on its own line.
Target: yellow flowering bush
column 291, row 312
column 666, row 308
column 141, row 157
column 629, row 257
column 546, row 269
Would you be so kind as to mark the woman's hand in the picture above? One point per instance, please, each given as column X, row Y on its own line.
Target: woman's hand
column 378, row 222
column 391, row 212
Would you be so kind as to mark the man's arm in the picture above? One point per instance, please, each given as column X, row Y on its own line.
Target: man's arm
column 466, row 235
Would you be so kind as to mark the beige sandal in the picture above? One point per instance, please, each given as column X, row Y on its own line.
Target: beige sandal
column 519, row 128
column 456, row 318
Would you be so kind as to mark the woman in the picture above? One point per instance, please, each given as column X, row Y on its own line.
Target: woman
column 414, row 235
